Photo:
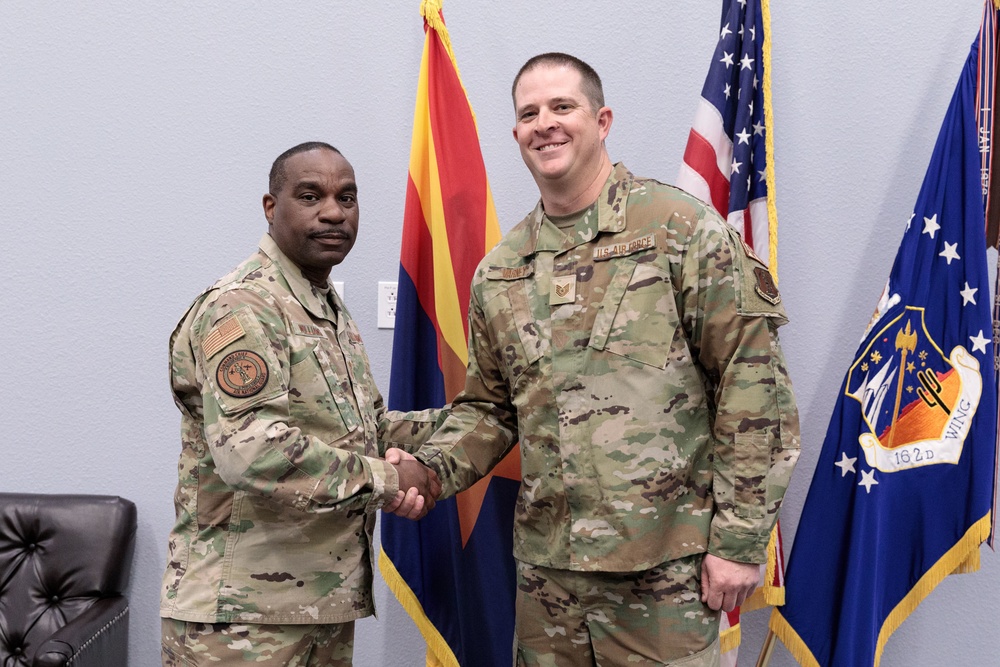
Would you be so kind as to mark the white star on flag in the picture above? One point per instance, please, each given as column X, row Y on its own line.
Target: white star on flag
column 979, row 342
column 950, row 252
column 746, row 62
column 846, row 464
column 727, row 58
column 931, row 225
column 868, row 480
column 736, row 166
column 969, row 294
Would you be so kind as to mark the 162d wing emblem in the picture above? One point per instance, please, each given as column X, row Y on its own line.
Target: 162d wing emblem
column 917, row 402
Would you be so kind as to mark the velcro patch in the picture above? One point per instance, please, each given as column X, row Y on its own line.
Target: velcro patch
column 505, row 273
column 765, row 286
column 241, row 374
column 225, row 332
column 310, row 330
column 563, row 290
column 624, row 248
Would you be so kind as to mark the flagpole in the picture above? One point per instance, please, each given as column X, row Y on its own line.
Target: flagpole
column 764, row 659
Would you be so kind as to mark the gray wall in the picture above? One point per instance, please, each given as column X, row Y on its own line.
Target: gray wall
column 136, row 136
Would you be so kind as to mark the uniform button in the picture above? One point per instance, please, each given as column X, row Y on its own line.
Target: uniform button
column 31, row 547
column 17, row 651
column 54, row 599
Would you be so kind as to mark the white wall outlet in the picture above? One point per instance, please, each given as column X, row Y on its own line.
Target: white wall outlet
column 386, row 305
column 339, row 286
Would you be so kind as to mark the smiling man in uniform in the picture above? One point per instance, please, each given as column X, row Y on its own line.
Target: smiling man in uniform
column 623, row 333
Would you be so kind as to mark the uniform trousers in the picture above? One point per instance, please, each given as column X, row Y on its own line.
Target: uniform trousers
column 567, row 618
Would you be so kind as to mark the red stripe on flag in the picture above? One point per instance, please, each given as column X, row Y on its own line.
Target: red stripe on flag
column 416, row 254
column 460, row 166
column 700, row 156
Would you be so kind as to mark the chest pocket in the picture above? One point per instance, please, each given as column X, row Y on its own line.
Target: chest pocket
column 638, row 316
column 318, row 393
column 519, row 343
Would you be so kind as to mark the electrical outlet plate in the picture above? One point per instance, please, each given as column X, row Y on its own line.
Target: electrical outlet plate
column 386, row 305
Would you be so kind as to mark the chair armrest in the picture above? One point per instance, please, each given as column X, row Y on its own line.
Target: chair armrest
column 96, row 638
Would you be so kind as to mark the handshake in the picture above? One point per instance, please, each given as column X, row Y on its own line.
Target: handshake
column 419, row 486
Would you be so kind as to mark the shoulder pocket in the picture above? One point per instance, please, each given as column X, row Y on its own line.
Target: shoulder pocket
column 239, row 363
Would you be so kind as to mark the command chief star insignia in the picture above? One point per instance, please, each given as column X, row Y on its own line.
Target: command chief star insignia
column 917, row 402
column 241, row 374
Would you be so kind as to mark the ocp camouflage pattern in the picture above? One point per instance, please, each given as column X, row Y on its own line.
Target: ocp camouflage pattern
column 654, row 411
column 280, row 473
column 651, row 617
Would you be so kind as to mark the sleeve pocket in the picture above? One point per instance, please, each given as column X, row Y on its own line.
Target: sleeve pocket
column 753, row 452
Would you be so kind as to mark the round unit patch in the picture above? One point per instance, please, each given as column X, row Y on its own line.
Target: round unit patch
column 242, row 373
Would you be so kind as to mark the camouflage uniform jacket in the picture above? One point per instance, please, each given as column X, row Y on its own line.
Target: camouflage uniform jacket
column 638, row 362
column 279, row 478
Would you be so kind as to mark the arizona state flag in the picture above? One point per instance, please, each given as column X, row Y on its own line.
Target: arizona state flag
column 903, row 491
column 453, row 571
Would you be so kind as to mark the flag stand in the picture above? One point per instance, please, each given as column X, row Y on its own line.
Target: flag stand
column 764, row 659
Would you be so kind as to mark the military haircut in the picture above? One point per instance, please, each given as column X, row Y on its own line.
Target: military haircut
column 592, row 86
column 276, row 178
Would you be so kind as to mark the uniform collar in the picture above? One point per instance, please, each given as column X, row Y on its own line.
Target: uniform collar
column 311, row 298
column 610, row 214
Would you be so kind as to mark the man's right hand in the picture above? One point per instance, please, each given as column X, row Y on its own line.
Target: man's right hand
column 418, row 486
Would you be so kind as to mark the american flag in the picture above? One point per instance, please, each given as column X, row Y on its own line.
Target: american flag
column 726, row 159
column 727, row 163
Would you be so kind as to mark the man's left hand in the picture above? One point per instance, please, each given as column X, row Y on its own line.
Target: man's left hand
column 726, row 584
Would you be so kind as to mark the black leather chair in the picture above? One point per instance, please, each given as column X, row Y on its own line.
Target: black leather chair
column 64, row 567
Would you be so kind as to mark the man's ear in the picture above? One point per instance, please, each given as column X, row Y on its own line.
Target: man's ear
column 269, row 202
column 604, row 119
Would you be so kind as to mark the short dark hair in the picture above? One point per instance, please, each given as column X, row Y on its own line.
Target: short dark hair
column 592, row 87
column 276, row 179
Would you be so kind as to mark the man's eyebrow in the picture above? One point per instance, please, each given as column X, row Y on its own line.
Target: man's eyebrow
column 350, row 186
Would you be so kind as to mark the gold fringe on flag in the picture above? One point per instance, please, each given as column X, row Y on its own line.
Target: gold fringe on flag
column 439, row 654
column 730, row 638
column 960, row 559
column 772, row 207
column 431, row 11
column 767, row 594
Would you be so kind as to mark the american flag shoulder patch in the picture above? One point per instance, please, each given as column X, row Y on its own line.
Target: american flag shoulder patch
column 224, row 333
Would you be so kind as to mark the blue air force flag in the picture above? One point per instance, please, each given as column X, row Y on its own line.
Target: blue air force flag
column 903, row 491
